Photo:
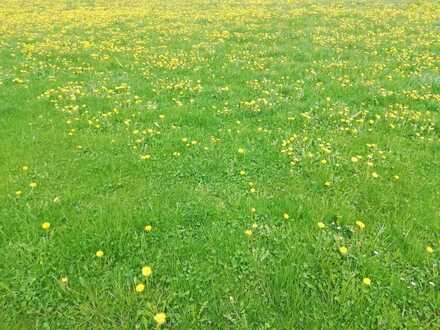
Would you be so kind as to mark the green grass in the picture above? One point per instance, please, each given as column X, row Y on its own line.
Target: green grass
column 189, row 83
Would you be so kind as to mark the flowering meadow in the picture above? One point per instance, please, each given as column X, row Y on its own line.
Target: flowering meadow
column 207, row 164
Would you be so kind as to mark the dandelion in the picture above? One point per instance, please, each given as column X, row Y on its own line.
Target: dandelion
column 240, row 150
column 145, row 157
column 33, row 185
column 253, row 190
column 429, row 249
column 64, row 280
column 396, row 177
column 160, row 319
column 147, row 271
column 242, row 173
column 253, row 210
column 321, row 225
column 343, row 250
column 254, row 226
column 323, row 162
column 45, row 225
column 99, row 253
column 248, row 232
column 354, row 159
column 148, row 228
column 327, row 184
column 374, row 175
column 360, row 225
column 366, row 281
column 140, row 288
column 25, row 168
column 286, row 216
column 18, row 193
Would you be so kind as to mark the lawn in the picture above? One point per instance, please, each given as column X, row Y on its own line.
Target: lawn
column 207, row 164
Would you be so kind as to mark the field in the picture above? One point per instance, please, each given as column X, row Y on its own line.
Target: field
column 207, row 164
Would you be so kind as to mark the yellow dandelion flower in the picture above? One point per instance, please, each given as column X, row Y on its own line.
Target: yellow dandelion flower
column 374, row 175
column 45, row 225
column 252, row 190
column 253, row 210
column 140, row 287
column 286, row 216
column 99, row 253
column 25, row 168
column 18, row 193
column 147, row 271
column 145, row 157
column 396, row 177
column 354, row 159
column 321, row 225
column 327, row 184
column 64, row 280
column 366, row 281
column 323, row 162
column 429, row 249
column 242, row 173
column 360, row 225
column 160, row 319
column 148, row 228
column 343, row 250
column 33, row 185
column 248, row 232
column 240, row 150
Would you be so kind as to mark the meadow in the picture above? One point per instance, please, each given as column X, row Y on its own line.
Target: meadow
column 207, row 164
